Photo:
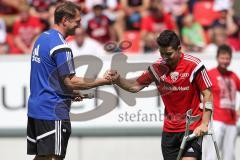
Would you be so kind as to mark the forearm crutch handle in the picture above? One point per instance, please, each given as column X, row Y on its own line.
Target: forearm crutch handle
column 183, row 144
column 191, row 137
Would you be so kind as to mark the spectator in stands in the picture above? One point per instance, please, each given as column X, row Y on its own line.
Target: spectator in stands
column 225, row 86
column 133, row 11
column 192, row 34
column 3, row 37
column 234, row 40
column 25, row 30
column 153, row 24
column 109, row 6
column 40, row 9
column 111, row 10
column 129, row 18
column 178, row 9
column 236, row 7
column 222, row 5
column 9, row 10
column 218, row 38
column 81, row 3
column 228, row 22
column 83, row 45
column 100, row 27
column 191, row 4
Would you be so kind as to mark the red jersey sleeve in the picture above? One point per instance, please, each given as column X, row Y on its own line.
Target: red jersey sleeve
column 237, row 81
column 145, row 79
column 202, row 79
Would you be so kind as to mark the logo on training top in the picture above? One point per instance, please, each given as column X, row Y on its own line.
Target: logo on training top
column 184, row 75
column 174, row 76
column 163, row 77
column 35, row 55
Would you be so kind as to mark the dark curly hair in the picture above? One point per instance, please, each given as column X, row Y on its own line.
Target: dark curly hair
column 224, row 49
column 168, row 38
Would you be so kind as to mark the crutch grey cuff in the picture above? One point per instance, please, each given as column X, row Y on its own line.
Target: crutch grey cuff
column 209, row 105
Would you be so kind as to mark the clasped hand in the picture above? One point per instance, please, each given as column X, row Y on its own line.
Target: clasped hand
column 112, row 76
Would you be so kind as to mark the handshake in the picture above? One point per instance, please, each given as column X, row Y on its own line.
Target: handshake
column 112, row 76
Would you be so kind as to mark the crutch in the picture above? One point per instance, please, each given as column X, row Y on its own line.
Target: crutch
column 189, row 120
column 212, row 134
column 192, row 136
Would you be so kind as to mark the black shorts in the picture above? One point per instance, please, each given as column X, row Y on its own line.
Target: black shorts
column 171, row 142
column 47, row 137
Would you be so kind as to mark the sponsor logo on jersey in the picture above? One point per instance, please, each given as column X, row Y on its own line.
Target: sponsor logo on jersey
column 35, row 55
column 174, row 76
column 174, row 88
column 184, row 75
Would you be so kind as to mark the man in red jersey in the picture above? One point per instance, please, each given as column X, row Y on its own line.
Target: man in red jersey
column 224, row 89
column 100, row 27
column 181, row 79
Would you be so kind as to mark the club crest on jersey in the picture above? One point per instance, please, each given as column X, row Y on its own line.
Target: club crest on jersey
column 163, row 77
column 174, row 76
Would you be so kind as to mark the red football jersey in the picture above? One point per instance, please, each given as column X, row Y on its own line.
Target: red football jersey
column 99, row 28
column 224, row 89
column 150, row 24
column 179, row 89
column 27, row 30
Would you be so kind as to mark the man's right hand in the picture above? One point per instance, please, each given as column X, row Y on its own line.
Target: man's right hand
column 111, row 75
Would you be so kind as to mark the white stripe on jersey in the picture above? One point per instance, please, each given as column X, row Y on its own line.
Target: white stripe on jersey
column 154, row 73
column 46, row 32
column 205, row 81
column 195, row 71
column 62, row 46
column 62, row 39
column 192, row 58
column 206, row 78
column 69, row 61
column 192, row 61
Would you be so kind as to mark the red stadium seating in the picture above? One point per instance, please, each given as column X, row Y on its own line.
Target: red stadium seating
column 204, row 13
column 134, row 38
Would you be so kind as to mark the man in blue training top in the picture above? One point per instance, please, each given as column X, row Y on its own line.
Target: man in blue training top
column 52, row 85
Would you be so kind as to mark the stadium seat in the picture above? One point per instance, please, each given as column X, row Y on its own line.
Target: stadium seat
column 133, row 37
column 204, row 13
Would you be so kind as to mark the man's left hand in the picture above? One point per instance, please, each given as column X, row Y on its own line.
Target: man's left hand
column 200, row 130
column 77, row 96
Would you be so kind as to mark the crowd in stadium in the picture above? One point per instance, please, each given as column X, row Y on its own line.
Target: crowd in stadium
column 202, row 24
